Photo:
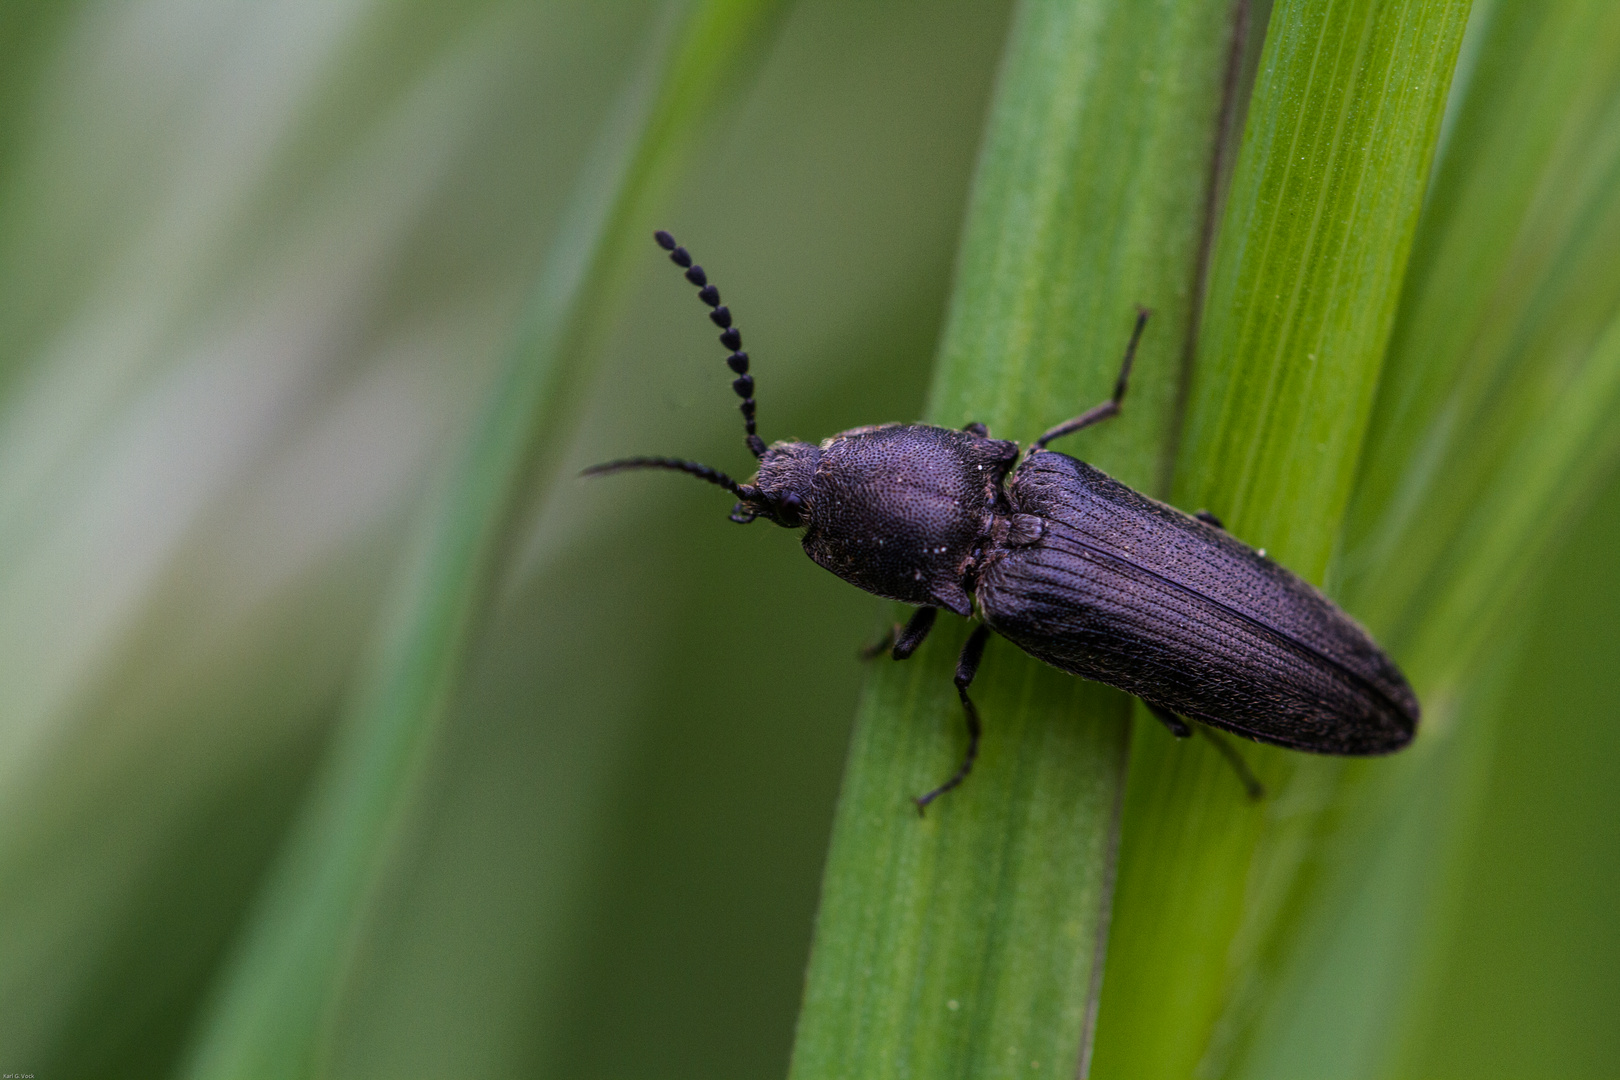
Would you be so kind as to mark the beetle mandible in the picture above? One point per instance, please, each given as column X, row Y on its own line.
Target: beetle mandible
column 1071, row 566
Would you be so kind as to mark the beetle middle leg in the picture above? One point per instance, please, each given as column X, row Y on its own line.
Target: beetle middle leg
column 1098, row 413
column 967, row 665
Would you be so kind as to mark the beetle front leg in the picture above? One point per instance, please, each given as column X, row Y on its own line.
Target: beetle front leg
column 915, row 633
column 901, row 642
column 967, row 666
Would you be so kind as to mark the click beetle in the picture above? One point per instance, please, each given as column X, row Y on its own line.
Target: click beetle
column 1070, row 565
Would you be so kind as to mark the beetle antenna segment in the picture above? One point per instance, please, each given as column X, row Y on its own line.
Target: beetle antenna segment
column 691, row 468
column 730, row 336
column 1098, row 413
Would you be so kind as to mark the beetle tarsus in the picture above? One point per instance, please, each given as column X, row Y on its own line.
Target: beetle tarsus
column 880, row 646
column 1251, row 783
column 967, row 666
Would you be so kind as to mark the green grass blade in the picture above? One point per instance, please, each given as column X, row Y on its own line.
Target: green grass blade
column 1501, row 371
column 1493, row 429
column 1524, row 981
column 966, row 944
column 1303, row 291
column 277, row 1001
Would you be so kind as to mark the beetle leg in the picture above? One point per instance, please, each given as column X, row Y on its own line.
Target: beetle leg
column 1210, row 519
column 880, row 646
column 978, row 429
column 1098, row 413
column 1251, row 783
column 1178, row 727
column 915, row 633
column 903, row 640
column 967, row 665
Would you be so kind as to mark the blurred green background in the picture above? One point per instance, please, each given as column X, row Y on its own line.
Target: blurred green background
column 257, row 264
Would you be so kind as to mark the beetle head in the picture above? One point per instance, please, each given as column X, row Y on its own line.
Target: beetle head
column 784, row 490
column 898, row 510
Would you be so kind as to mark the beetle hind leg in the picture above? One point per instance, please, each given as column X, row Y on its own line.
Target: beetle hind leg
column 1251, row 783
column 1181, row 730
column 1178, row 727
column 967, row 665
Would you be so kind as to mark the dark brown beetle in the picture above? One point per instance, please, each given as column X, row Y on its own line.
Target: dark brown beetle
column 1074, row 568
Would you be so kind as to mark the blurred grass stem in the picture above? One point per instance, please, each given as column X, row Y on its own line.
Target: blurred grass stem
column 273, row 1010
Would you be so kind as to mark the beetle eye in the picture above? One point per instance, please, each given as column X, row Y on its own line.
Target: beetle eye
column 791, row 506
